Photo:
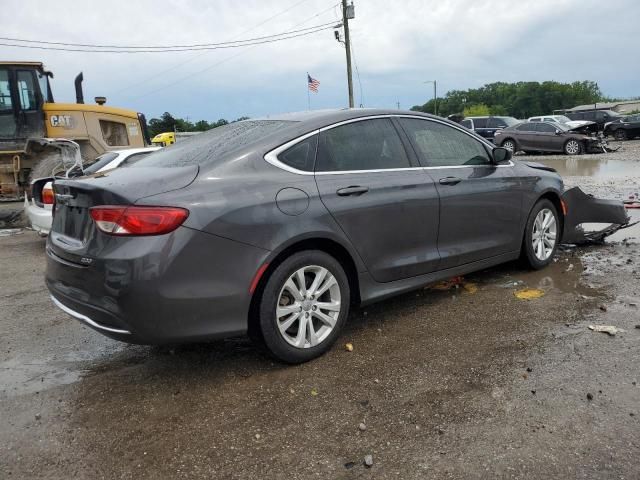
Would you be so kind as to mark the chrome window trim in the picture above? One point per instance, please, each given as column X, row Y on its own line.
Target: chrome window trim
column 85, row 319
column 272, row 156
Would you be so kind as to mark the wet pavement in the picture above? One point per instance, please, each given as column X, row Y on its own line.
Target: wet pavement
column 470, row 382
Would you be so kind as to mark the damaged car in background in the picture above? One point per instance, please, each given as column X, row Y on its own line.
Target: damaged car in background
column 544, row 137
column 275, row 227
column 65, row 162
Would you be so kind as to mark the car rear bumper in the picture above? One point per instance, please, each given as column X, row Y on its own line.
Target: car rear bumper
column 182, row 287
column 39, row 218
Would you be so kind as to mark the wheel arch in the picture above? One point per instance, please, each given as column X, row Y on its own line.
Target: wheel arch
column 324, row 244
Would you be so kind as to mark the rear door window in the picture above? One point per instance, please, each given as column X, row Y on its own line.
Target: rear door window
column 363, row 145
column 496, row 123
column 441, row 145
column 480, row 123
column 545, row 128
column 527, row 127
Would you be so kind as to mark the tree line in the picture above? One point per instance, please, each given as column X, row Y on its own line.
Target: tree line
column 169, row 123
column 519, row 99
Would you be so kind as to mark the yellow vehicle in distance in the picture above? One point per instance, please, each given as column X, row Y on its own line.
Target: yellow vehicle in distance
column 169, row 138
column 164, row 139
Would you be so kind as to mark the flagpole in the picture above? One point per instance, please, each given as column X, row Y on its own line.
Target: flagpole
column 308, row 94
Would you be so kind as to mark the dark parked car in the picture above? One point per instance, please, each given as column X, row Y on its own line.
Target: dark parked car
column 624, row 128
column 275, row 227
column 546, row 137
column 487, row 126
column 600, row 117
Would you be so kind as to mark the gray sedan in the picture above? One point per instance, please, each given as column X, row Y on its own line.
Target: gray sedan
column 274, row 227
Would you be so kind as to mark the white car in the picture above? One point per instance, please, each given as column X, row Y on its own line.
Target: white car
column 38, row 208
column 559, row 119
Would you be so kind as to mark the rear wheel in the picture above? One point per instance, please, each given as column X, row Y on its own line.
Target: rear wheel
column 620, row 134
column 304, row 305
column 510, row 145
column 541, row 235
column 573, row 147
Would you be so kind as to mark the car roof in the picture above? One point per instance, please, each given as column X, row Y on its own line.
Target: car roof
column 329, row 116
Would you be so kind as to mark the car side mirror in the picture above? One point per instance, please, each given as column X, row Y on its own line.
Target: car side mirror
column 501, row 155
column 558, row 132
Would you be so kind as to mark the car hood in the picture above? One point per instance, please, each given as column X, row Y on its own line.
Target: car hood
column 584, row 127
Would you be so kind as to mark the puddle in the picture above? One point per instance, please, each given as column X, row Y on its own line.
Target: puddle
column 596, row 167
column 18, row 377
column 631, row 234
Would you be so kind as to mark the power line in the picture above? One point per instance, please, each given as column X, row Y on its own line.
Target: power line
column 240, row 43
column 225, row 59
column 165, row 47
column 194, row 57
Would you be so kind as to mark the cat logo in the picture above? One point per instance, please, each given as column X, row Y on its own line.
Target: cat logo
column 64, row 121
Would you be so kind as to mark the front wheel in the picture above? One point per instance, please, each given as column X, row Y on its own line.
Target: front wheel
column 303, row 307
column 573, row 147
column 620, row 134
column 541, row 235
column 509, row 145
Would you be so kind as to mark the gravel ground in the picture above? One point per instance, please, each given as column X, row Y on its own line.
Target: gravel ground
column 466, row 383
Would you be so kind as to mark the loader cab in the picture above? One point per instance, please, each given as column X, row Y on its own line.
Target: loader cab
column 24, row 89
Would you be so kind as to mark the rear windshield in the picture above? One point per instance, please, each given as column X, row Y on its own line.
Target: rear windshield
column 99, row 162
column 207, row 147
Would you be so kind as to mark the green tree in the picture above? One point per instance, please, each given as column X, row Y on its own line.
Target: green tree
column 475, row 110
column 519, row 99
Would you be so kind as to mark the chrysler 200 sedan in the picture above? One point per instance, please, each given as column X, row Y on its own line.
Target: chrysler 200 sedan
column 275, row 227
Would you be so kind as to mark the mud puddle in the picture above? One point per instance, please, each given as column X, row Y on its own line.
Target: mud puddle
column 593, row 166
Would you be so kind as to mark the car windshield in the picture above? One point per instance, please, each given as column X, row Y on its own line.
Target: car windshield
column 510, row 121
column 561, row 126
column 562, row 119
column 213, row 144
column 99, row 162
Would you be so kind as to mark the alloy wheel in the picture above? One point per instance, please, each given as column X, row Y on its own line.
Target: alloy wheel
column 572, row 147
column 509, row 145
column 620, row 134
column 308, row 306
column 543, row 237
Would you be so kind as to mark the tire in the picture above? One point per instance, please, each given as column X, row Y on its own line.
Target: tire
column 282, row 336
column 510, row 145
column 531, row 252
column 573, row 147
column 620, row 134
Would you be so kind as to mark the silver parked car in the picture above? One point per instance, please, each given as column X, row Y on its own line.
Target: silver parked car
column 274, row 227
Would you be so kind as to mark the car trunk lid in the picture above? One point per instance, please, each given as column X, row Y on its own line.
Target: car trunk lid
column 73, row 233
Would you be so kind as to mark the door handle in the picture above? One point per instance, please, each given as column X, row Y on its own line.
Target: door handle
column 450, row 181
column 352, row 190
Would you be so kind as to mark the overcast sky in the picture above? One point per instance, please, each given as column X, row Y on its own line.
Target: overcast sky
column 398, row 45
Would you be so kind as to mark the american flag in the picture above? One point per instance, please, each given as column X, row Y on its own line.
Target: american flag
column 313, row 83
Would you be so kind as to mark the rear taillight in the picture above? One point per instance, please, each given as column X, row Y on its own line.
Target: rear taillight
column 132, row 221
column 47, row 196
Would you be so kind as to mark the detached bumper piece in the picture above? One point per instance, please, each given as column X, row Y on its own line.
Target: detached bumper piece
column 583, row 208
column 600, row 145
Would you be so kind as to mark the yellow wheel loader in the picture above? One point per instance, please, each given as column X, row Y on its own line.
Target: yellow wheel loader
column 29, row 115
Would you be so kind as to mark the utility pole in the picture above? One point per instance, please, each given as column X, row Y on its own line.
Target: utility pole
column 435, row 95
column 347, row 44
